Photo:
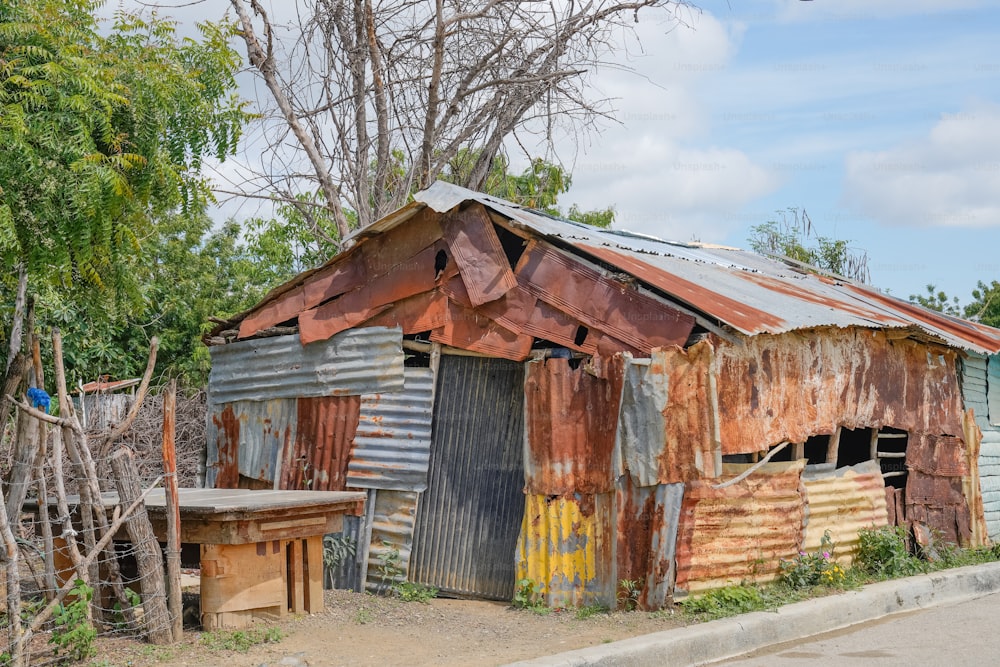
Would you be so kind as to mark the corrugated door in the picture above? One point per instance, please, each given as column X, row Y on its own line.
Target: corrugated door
column 469, row 516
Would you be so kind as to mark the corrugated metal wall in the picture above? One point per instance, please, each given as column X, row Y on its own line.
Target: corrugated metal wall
column 843, row 501
column 976, row 389
column 566, row 548
column 646, row 539
column 468, row 518
column 742, row 530
column 393, row 515
column 355, row 362
column 393, row 441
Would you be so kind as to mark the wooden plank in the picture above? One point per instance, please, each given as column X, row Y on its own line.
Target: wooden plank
column 241, row 581
column 314, row 574
column 295, row 571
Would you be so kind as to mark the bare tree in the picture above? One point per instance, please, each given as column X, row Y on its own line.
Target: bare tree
column 384, row 96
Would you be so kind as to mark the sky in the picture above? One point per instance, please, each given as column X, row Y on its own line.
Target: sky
column 880, row 118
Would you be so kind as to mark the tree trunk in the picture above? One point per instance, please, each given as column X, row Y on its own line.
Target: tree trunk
column 147, row 549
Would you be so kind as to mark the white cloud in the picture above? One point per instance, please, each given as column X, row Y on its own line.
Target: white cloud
column 949, row 178
column 650, row 168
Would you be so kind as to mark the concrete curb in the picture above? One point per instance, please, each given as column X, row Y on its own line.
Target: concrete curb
column 730, row 637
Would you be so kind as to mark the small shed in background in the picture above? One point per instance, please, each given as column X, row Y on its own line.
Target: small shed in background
column 103, row 403
column 526, row 397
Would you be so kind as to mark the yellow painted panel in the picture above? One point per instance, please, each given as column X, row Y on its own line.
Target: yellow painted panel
column 843, row 502
column 566, row 548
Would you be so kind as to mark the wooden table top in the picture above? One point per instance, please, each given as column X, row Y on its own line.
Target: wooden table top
column 230, row 504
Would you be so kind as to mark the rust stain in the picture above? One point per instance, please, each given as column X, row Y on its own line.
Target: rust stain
column 607, row 305
column 422, row 312
column 939, row 456
column 403, row 281
column 228, row 471
column 774, row 388
column 318, row 459
column 742, row 531
column 469, row 330
column 480, row 257
column 739, row 315
column 688, row 419
column 939, row 504
column 572, row 419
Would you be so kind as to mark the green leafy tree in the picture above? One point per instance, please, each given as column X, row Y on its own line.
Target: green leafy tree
column 985, row 307
column 538, row 186
column 101, row 136
column 793, row 236
column 936, row 299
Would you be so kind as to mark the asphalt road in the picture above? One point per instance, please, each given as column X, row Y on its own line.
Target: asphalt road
column 959, row 635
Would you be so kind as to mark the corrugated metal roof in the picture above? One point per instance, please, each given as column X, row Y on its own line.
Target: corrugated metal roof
column 751, row 293
column 109, row 385
column 359, row 361
column 393, row 441
column 843, row 502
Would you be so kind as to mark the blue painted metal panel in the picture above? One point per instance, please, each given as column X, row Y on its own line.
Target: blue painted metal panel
column 978, row 386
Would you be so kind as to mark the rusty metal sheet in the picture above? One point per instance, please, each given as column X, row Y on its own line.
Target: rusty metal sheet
column 566, row 549
column 480, row 256
column 940, row 456
column 571, row 420
column 789, row 387
column 254, row 433
column 325, row 429
column 602, row 303
column 646, row 541
column 468, row 330
column 396, row 253
column 286, row 307
column 334, row 279
column 742, row 531
column 667, row 428
column 361, row 361
column 940, row 504
column 222, row 469
column 404, row 280
column 391, row 531
column 392, row 445
column 414, row 314
column 843, row 502
column 719, row 281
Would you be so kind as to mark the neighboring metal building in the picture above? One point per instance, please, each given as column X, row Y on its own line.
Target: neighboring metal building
column 529, row 398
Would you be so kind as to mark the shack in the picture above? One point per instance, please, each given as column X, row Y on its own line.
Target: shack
column 524, row 397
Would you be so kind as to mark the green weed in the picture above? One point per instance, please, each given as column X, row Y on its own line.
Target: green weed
column 241, row 640
column 528, row 595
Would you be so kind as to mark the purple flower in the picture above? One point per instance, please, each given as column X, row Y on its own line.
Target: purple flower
column 826, row 554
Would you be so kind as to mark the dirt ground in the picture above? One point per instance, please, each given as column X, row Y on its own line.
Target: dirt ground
column 361, row 629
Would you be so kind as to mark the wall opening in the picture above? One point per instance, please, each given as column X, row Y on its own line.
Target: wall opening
column 815, row 449
column 889, row 449
column 513, row 245
column 855, row 446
